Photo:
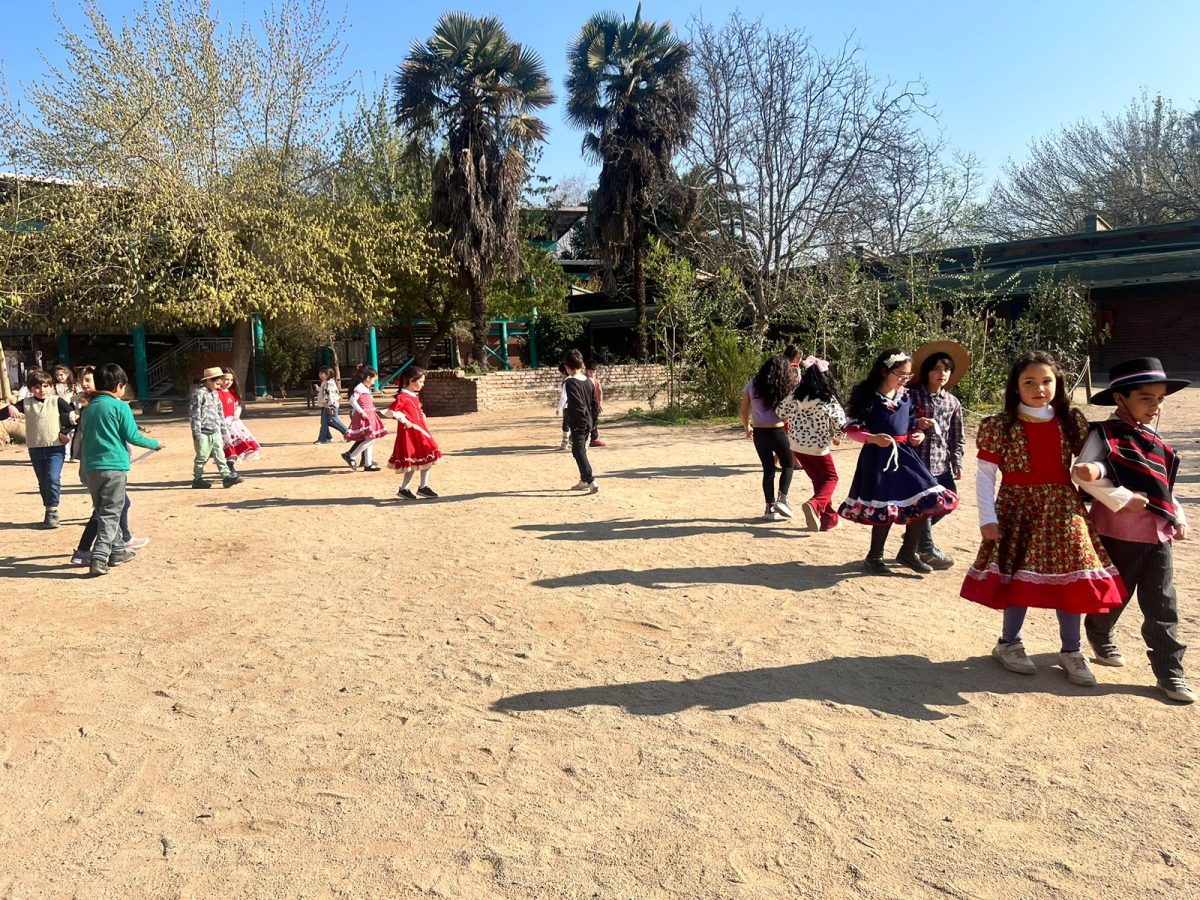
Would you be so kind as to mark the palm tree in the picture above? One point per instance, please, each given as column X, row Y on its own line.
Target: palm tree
column 471, row 86
column 629, row 88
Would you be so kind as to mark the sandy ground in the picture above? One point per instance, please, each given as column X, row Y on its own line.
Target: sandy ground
column 303, row 688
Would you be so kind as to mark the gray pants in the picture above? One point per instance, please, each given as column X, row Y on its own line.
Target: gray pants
column 1147, row 569
column 107, row 487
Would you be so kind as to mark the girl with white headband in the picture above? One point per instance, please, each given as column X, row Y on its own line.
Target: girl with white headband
column 891, row 485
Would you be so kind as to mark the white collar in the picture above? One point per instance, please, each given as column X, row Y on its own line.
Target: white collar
column 407, row 391
column 1041, row 413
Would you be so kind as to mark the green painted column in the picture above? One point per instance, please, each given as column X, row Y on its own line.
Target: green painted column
column 532, row 331
column 141, row 363
column 64, row 348
column 453, row 350
column 373, row 347
column 260, row 375
column 504, row 345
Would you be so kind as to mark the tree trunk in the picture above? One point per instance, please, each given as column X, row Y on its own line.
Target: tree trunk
column 444, row 324
column 243, row 356
column 479, row 325
column 639, row 295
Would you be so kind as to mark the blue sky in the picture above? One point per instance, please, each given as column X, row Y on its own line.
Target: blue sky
column 1000, row 74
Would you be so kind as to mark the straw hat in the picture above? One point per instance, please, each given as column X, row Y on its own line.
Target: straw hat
column 957, row 353
column 212, row 372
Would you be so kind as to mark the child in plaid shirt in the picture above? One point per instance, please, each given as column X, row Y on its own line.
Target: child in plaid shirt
column 209, row 430
column 940, row 366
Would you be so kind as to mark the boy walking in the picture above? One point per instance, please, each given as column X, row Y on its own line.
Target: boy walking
column 210, row 432
column 1130, row 470
column 329, row 399
column 577, row 399
column 48, row 429
column 105, row 466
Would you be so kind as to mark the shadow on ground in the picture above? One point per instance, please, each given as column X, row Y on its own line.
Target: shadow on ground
column 901, row 685
column 782, row 576
column 642, row 529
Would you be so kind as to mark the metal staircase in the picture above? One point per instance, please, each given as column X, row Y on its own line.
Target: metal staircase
column 158, row 373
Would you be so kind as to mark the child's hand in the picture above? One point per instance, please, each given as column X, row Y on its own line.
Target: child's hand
column 924, row 423
column 917, row 438
column 64, row 439
column 957, row 472
column 990, row 532
column 1137, row 502
column 749, row 433
column 161, row 446
column 880, row 440
column 1086, row 471
column 1181, row 532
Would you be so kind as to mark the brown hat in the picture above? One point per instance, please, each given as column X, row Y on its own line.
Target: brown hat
column 212, row 372
column 958, row 355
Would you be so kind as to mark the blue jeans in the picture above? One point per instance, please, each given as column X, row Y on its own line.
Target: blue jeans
column 48, row 465
column 1068, row 627
column 329, row 417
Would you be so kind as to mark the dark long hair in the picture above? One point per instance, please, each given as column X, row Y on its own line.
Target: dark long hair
column 1061, row 402
column 773, row 381
column 816, row 385
column 930, row 361
column 863, row 395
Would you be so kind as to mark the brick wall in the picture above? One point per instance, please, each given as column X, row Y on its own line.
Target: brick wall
column 449, row 392
column 1150, row 320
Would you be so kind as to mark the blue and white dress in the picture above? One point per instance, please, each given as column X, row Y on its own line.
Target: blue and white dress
column 891, row 485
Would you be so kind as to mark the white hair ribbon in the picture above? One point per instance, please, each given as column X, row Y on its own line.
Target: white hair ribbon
column 821, row 365
column 896, row 358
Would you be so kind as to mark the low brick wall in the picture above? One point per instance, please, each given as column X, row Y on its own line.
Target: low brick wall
column 448, row 392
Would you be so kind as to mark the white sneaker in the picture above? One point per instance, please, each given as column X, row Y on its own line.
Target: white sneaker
column 565, row 445
column 771, row 515
column 593, row 488
column 1177, row 688
column 1076, row 666
column 1013, row 658
column 781, row 507
column 580, row 486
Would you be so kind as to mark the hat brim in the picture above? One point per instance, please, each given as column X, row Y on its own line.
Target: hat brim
column 1107, row 397
column 959, row 354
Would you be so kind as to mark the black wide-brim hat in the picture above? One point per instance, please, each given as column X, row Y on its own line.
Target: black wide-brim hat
column 1135, row 372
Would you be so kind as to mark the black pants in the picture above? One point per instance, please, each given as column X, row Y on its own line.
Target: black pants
column 567, row 429
column 1147, row 569
column 914, row 535
column 579, row 444
column 770, row 443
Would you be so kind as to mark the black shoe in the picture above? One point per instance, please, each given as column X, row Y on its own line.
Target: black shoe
column 427, row 491
column 351, row 463
column 371, row 468
column 909, row 558
column 201, row 483
column 874, row 566
column 406, row 494
column 120, row 556
column 936, row 559
column 98, row 567
column 232, row 480
column 1106, row 653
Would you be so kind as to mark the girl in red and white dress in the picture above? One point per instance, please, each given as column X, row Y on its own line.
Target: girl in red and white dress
column 241, row 445
column 1039, row 548
column 415, row 450
column 365, row 424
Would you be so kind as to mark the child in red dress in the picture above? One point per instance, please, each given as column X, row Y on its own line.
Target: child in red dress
column 241, row 445
column 1039, row 549
column 415, row 450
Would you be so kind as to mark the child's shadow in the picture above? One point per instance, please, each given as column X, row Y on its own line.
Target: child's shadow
column 902, row 685
column 22, row 567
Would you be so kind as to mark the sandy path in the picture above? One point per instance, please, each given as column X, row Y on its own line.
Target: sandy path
column 302, row 688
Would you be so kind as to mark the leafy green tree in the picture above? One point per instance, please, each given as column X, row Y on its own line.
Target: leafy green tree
column 473, row 88
column 629, row 88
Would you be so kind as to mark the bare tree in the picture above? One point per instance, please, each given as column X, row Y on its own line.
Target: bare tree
column 787, row 142
column 1138, row 167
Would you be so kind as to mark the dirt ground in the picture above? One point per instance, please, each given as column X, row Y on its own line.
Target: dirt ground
column 302, row 687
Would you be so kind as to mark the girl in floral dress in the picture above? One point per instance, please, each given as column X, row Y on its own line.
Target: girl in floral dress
column 891, row 485
column 365, row 424
column 415, row 450
column 241, row 444
column 1039, row 548
column 815, row 419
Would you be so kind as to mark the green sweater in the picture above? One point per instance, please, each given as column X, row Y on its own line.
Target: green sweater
column 110, row 427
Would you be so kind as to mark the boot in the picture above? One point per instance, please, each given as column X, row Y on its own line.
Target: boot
column 908, row 553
